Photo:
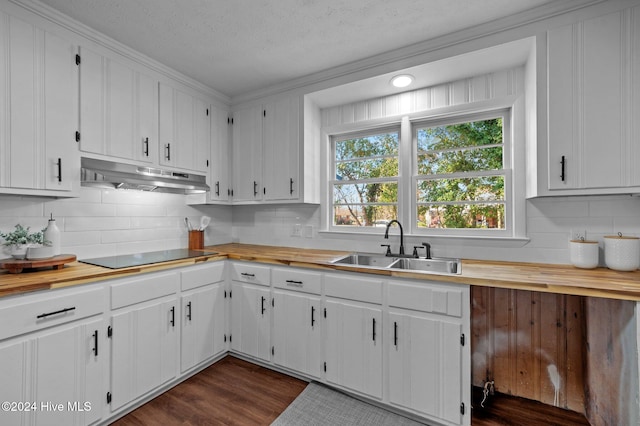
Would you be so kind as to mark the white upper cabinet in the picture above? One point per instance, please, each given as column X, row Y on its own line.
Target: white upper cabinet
column 271, row 161
column 184, row 130
column 118, row 109
column 281, row 131
column 38, row 152
column 593, row 93
column 219, row 159
column 247, row 154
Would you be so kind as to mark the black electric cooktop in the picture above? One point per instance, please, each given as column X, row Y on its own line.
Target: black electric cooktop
column 128, row 260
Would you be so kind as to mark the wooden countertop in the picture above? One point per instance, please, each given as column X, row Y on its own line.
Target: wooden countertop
column 551, row 278
column 81, row 273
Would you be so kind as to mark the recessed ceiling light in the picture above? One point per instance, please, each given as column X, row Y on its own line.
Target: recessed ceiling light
column 402, row 80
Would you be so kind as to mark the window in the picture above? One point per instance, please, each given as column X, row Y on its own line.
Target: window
column 365, row 186
column 460, row 174
column 449, row 176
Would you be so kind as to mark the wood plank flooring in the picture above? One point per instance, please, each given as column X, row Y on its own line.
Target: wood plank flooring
column 230, row 392
column 234, row 392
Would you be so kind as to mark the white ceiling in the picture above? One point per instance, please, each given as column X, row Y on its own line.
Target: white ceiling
column 239, row 46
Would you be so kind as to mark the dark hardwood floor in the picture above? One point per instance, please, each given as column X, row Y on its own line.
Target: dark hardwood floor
column 235, row 392
column 230, row 392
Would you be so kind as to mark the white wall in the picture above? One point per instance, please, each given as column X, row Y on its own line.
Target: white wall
column 107, row 222
column 549, row 223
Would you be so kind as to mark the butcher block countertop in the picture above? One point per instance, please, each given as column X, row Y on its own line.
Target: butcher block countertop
column 551, row 278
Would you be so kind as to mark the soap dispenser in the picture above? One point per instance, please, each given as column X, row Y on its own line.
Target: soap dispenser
column 52, row 236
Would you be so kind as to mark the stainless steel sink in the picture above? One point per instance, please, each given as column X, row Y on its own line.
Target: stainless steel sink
column 366, row 259
column 434, row 265
column 439, row 265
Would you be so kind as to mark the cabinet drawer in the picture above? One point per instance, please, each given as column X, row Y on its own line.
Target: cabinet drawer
column 30, row 313
column 131, row 291
column 297, row 280
column 197, row 276
column 249, row 273
column 348, row 287
column 444, row 299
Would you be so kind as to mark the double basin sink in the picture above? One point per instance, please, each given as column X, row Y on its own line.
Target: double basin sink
column 436, row 265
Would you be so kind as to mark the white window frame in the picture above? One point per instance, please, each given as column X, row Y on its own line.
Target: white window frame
column 514, row 165
column 506, row 171
column 331, row 181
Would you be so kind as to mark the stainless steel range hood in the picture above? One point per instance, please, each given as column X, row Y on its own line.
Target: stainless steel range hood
column 108, row 174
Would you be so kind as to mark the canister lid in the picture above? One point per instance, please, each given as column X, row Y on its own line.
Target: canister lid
column 621, row 237
column 584, row 241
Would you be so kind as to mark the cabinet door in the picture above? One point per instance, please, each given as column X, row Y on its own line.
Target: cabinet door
column 39, row 152
column 587, row 73
column 297, row 337
column 354, row 346
column 167, row 126
column 281, row 149
column 144, row 351
column 184, row 142
column 68, row 363
column 202, row 135
column 202, row 325
column 118, row 109
column 247, row 154
column 61, row 165
column 13, row 370
column 251, row 320
column 219, row 164
column 425, row 365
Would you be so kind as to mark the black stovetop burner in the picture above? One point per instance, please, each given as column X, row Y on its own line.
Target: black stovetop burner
column 129, row 260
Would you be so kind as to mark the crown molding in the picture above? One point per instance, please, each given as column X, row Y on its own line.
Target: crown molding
column 419, row 53
column 78, row 28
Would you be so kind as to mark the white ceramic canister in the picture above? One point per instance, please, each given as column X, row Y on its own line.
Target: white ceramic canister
column 583, row 253
column 622, row 253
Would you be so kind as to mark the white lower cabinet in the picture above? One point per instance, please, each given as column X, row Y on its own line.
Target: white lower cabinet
column 297, row 321
column 53, row 374
column 428, row 346
column 354, row 338
column 144, row 335
column 251, row 310
column 203, row 325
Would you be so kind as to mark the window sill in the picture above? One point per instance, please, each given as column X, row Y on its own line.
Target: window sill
column 477, row 241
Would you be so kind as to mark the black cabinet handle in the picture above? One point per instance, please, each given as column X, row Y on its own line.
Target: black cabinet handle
column 146, row 147
column 395, row 334
column 563, row 162
column 59, row 163
column 61, row 311
column 168, row 149
column 263, row 308
column 173, row 316
column 218, row 188
column 245, row 274
column 374, row 329
column 290, row 186
column 295, row 283
column 95, row 343
column 255, row 188
column 189, row 311
column 313, row 320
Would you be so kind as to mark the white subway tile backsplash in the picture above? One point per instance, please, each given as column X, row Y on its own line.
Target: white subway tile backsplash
column 96, row 223
column 141, row 210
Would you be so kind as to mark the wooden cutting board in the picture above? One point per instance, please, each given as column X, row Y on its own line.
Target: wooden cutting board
column 15, row 266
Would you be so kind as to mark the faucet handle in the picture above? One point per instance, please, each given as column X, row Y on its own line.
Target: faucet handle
column 415, row 251
column 388, row 246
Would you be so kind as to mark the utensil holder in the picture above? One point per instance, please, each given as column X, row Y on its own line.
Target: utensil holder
column 196, row 240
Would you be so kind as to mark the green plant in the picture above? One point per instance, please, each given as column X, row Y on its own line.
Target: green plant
column 21, row 235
